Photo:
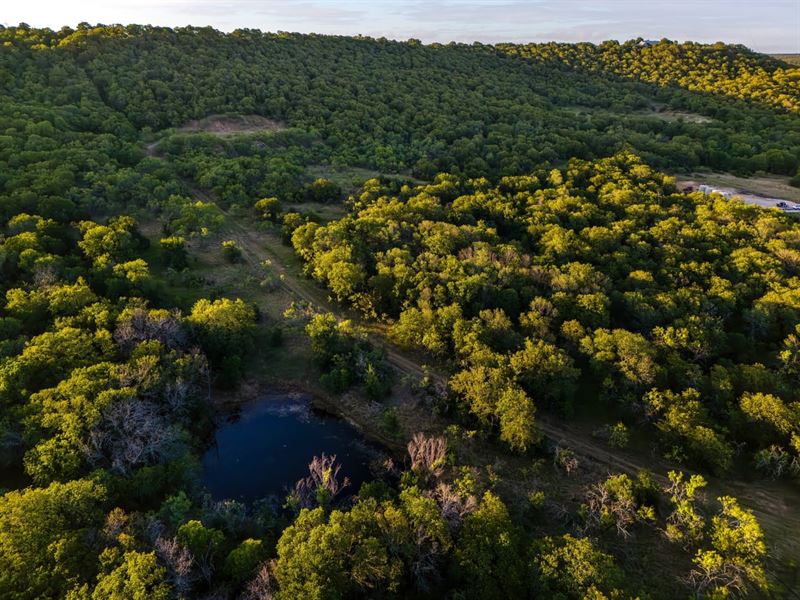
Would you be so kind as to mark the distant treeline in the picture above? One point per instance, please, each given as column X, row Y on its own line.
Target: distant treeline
column 476, row 110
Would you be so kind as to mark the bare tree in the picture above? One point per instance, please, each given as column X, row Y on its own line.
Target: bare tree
column 143, row 325
column 605, row 507
column 174, row 385
column 323, row 480
column 261, row 587
column 706, row 578
column 427, row 454
column 116, row 522
column 131, row 432
column 176, row 395
column 777, row 462
column 453, row 505
column 390, row 468
column 558, row 511
column 188, row 567
column 429, row 388
column 178, row 561
column 44, row 276
column 565, row 459
column 426, row 559
column 154, row 528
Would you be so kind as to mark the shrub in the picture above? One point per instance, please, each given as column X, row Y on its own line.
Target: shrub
column 231, row 252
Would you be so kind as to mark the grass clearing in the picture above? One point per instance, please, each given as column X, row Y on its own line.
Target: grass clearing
column 656, row 111
column 351, row 178
column 680, row 115
column 325, row 212
column 661, row 111
column 232, row 124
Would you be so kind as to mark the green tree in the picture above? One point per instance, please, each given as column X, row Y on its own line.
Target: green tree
column 226, row 330
column 735, row 562
column 683, row 419
column 481, row 387
column 242, row 561
column 188, row 218
column 45, row 538
column 203, row 542
column 49, row 357
column 138, row 577
column 684, row 524
column 173, row 250
column 544, row 370
column 516, row 412
column 335, row 557
column 573, row 568
column 323, row 190
column 488, row 558
column 268, row 209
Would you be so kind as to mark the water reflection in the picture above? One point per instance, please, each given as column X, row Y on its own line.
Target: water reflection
column 266, row 446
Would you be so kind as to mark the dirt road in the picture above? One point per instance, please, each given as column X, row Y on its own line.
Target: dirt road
column 775, row 504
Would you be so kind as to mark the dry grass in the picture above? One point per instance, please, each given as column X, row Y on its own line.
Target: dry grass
column 792, row 59
column 223, row 125
column 680, row 115
column 656, row 111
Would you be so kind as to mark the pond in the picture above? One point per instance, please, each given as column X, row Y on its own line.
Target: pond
column 13, row 477
column 265, row 447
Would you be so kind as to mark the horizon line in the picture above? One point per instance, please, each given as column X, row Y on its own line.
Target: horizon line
column 395, row 39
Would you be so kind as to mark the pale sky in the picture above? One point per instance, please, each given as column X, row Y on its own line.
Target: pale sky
column 764, row 25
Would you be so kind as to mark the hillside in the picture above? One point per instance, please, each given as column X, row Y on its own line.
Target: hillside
column 733, row 71
column 405, row 106
column 577, row 380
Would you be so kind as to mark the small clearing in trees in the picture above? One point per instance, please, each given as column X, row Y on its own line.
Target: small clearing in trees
column 764, row 190
column 233, row 124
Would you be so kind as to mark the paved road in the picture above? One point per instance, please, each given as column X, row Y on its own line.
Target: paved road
column 747, row 197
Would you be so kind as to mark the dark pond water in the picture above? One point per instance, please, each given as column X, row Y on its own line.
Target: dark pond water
column 13, row 477
column 265, row 448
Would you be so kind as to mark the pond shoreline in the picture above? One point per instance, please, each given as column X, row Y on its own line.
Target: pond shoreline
column 266, row 435
column 251, row 389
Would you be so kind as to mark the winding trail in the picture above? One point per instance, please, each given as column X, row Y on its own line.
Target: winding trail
column 775, row 504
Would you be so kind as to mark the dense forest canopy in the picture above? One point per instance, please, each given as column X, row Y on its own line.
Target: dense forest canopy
column 396, row 106
column 730, row 70
column 517, row 231
column 595, row 282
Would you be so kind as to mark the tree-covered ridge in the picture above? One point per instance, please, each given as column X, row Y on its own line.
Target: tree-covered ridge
column 394, row 106
column 715, row 68
column 599, row 279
